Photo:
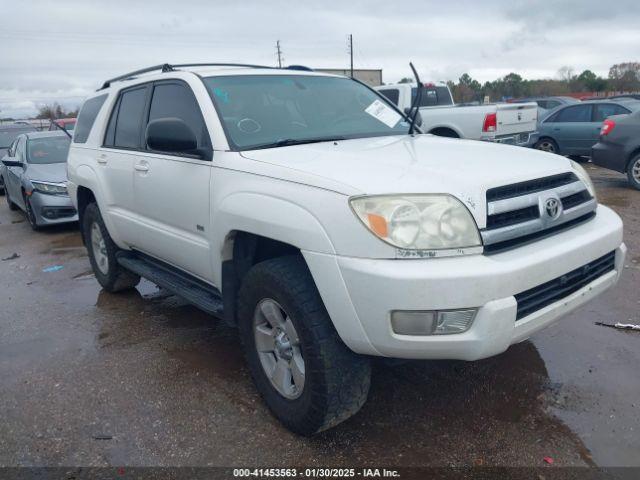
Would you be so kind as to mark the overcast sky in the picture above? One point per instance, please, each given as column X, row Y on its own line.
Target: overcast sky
column 60, row 50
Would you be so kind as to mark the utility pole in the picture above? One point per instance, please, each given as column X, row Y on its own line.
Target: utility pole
column 279, row 52
column 351, row 52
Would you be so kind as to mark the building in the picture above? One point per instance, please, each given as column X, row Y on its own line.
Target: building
column 371, row 77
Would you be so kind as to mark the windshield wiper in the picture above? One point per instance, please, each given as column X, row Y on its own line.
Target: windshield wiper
column 287, row 142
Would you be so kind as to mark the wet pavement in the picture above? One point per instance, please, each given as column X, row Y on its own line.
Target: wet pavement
column 94, row 379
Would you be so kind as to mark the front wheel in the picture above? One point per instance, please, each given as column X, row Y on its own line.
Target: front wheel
column 308, row 377
column 546, row 145
column 102, row 253
column 31, row 214
column 633, row 172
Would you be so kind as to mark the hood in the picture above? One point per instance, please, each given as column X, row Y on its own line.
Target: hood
column 48, row 172
column 420, row 164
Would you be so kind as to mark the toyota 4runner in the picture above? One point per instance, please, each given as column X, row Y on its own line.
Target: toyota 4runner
column 296, row 206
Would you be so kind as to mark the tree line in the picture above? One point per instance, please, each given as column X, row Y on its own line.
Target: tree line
column 623, row 77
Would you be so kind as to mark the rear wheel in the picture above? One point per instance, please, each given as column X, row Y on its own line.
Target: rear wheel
column 307, row 376
column 633, row 172
column 547, row 145
column 102, row 253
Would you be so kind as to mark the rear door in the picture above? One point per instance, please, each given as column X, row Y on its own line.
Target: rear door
column 600, row 113
column 571, row 128
column 171, row 191
column 123, row 139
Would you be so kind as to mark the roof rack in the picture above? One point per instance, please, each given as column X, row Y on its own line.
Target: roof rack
column 167, row 67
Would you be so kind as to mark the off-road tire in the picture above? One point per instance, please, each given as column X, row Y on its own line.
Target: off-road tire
column 634, row 163
column 336, row 379
column 117, row 278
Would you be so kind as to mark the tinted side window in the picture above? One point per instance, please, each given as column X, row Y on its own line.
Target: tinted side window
column 606, row 110
column 433, row 96
column 392, row 94
column 87, row 116
column 578, row 113
column 129, row 121
column 177, row 101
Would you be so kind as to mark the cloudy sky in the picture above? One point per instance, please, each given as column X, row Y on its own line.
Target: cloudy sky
column 60, row 50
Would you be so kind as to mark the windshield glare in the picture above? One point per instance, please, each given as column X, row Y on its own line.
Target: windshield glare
column 261, row 110
column 47, row 150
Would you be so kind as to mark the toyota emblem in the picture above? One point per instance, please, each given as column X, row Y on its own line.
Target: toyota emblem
column 552, row 208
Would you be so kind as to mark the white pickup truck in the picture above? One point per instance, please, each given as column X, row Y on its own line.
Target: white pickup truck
column 514, row 124
column 295, row 206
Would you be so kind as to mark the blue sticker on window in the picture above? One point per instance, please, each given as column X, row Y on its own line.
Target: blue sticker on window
column 223, row 95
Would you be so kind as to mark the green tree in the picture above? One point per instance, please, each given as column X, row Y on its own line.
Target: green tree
column 625, row 76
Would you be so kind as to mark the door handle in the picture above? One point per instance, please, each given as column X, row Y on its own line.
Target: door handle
column 141, row 167
column 102, row 159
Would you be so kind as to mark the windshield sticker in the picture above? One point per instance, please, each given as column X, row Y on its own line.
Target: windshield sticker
column 223, row 95
column 383, row 113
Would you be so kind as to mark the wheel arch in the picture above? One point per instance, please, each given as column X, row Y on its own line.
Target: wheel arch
column 444, row 130
column 251, row 228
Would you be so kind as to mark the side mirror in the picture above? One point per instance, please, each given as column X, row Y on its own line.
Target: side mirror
column 171, row 135
column 409, row 113
column 12, row 163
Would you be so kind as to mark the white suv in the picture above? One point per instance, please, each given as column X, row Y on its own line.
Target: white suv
column 296, row 206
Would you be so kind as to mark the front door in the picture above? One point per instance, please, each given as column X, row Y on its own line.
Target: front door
column 172, row 195
column 14, row 174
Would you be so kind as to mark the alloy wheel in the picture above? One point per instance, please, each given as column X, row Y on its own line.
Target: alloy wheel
column 547, row 146
column 278, row 346
column 635, row 170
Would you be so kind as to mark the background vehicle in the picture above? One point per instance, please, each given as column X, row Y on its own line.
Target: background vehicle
column 296, row 206
column 574, row 129
column 8, row 134
column 506, row 123
column 546, row 104
column 67, row 123
column 35, row 174
column 619, row 146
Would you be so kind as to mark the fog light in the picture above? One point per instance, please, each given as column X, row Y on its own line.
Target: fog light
column 454, row 321
column 432, row 322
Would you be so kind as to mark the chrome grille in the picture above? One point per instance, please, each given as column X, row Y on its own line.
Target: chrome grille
column 526, row 211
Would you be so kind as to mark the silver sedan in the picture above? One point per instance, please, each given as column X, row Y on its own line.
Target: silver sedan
column 34, row 171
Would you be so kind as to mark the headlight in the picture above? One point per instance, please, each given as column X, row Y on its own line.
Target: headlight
column 584, row 176
column 418, row 222
column 50, row 188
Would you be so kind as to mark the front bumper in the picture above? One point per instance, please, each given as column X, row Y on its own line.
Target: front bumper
column 52, row 209
column 525, row 139
column 361, row 293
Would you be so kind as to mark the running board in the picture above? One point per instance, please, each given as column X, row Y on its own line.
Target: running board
column 193, row 290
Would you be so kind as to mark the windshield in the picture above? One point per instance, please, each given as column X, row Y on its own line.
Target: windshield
column 47, row 150
column 7, row 136
column 262, row 111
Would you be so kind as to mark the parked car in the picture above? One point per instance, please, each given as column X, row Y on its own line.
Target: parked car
column 504, row 123
column 296, row 206
column 572, row 130
column 67, row 123
column 546, row 104
column 34, row 171
column 8, row 134
column 619, row 146
column 629, row 96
